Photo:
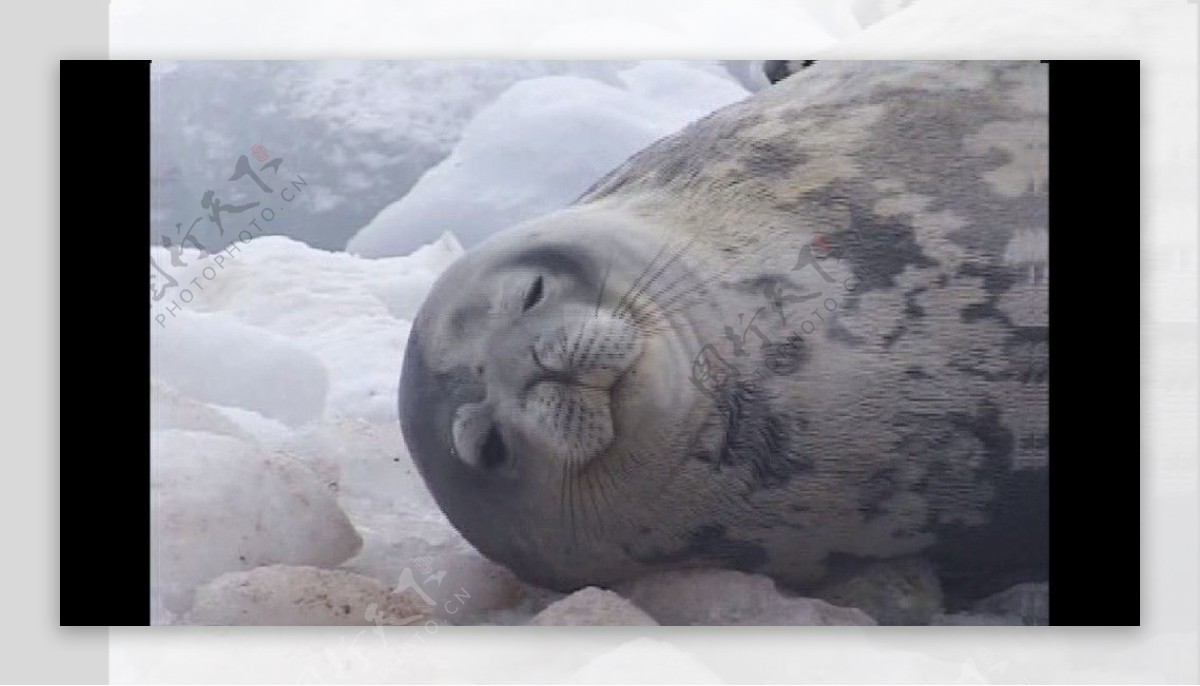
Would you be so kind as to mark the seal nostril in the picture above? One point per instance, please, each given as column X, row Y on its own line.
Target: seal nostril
column 493, row 453
column 534, row 296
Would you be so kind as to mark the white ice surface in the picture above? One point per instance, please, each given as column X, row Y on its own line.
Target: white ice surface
column 541, row 144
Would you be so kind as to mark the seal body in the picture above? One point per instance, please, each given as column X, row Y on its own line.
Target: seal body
column 803, row 335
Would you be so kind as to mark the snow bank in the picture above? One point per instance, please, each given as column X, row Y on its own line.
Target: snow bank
column 273, row 397
column 291, row 332
column 540, row 145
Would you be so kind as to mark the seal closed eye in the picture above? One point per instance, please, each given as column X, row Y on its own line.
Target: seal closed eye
column 534, row 296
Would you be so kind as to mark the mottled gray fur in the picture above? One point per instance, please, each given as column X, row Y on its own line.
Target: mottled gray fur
column 860, row 253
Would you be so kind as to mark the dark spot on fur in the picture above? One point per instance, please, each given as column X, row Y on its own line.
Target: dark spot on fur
column 773, row 159
column 911, row 311
column 758, row 438
column 997, row 278
column 1012, row 547
column 1026, row 355
column 916, row 373
column 911, row 308
column 877, row 487
column 787, row 357
column 879, row 251
column 837, row 332
column 1012, row 543
column 710, row 543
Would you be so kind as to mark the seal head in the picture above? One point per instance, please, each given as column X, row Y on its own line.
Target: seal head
column 536, row 368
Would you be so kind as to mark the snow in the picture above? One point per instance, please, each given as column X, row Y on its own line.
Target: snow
column 221, row 504
column 258, row 336
column 216, row 359
column 359, row 132
column 540, row 145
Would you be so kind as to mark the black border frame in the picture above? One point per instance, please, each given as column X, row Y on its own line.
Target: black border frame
column 104, row 464
column 1095, row 502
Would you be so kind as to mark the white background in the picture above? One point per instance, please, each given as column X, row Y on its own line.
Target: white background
column 1162, row 33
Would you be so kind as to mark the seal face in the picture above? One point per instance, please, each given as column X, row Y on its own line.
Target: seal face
column 803, row 335
column 538, row 371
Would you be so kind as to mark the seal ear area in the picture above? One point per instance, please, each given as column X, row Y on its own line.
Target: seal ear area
column 477, row 440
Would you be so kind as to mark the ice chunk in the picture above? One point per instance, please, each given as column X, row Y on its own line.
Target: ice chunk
column 592, row 607
column 220, row 504
column 216, row 359
column 539, row 146
column 281, row 595
column 716, row 597
column 350, row 314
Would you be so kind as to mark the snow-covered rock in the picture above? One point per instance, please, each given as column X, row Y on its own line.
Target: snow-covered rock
column 707, row 597
column 540, row 145
column 220, row 504
column 592, row 607
column 280, row 595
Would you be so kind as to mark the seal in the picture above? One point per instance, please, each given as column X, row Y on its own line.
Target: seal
column 804, row 335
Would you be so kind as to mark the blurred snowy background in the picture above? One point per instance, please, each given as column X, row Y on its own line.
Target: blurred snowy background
column 391, row 151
